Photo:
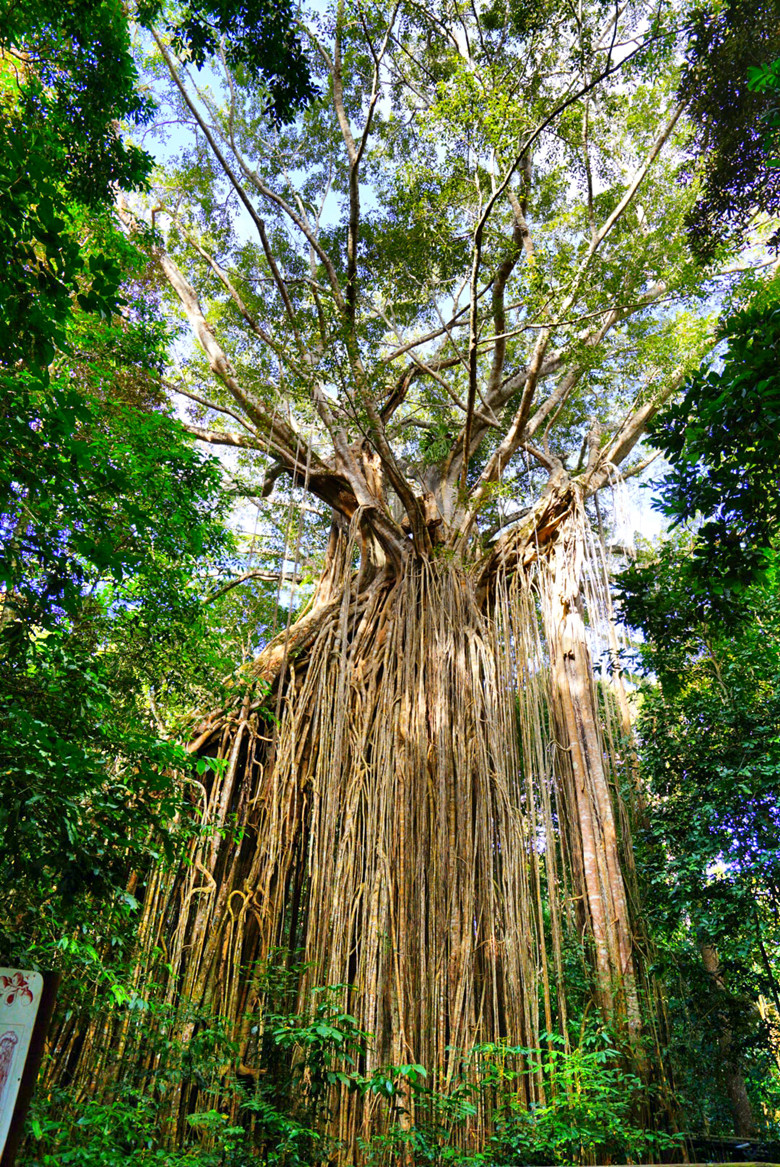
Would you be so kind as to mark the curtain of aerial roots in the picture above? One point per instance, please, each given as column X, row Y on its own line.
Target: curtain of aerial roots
column 590, row 754
column 427, row 821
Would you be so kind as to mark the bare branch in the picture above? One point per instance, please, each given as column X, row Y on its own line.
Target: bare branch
column 205, row 403
column 221, row 437
column 279, row 281
column 521, row 417
column 266, row 576
column 503, row 273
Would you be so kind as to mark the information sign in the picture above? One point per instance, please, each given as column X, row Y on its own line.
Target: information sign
column 20, row 998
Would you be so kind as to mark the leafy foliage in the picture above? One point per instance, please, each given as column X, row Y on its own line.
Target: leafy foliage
column 307, row 1055
column 732, row 116
column 106, row 513
column 86, row 796
column 709, row 725
column 98, row 496
column 721, row 438
column 67, row 79
column 98, row 573
column 257, row 37
column 765, row 78
column 590, row 1112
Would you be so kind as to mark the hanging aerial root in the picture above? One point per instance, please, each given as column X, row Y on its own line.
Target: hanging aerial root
column 424, row 823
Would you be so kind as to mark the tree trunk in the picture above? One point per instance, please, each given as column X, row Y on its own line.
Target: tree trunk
column 744, row 1123
column 397, row 832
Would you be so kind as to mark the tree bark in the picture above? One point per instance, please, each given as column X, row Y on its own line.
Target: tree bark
column 744, row 1123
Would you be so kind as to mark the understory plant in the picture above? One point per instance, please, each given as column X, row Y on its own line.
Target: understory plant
column 594, row 1109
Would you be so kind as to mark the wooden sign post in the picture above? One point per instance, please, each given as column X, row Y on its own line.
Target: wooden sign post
column 26, row 1005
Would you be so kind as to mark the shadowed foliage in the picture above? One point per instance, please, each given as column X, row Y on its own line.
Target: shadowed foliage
column 730, row 118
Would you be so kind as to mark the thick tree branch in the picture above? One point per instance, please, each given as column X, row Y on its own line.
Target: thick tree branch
column 627, row 436
column 516, row 431
column 503, row 273
column 222, row 437
column 300, row 461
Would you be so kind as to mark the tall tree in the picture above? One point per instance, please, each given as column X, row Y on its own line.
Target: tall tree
column 442, row 306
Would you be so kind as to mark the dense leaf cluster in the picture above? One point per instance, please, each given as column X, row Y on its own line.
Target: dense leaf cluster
column 730, row 117
column 67, row 80
column 106, row 512
column 69, row 76
column 87, row 795
column 96, row 494
column 257, row 37
column 46, row 266
column 721, row 439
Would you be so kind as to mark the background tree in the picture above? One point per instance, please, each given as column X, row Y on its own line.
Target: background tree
column 107, row 516
column 68, row 81
column 258, row 38
column 719, row 436
column 708, row 732
column 106, row 509
column 707, row 719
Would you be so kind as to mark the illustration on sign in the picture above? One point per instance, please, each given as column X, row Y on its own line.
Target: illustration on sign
column 8, row 1042
column 20, row 996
